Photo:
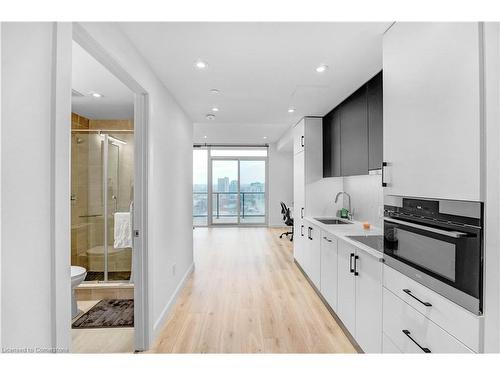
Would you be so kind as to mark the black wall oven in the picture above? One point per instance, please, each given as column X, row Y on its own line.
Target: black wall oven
column 439, row 244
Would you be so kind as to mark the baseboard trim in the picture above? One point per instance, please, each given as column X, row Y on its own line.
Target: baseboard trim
column 170, row 304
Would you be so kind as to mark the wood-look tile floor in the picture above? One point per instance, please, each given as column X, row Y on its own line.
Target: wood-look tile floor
column 246, row 295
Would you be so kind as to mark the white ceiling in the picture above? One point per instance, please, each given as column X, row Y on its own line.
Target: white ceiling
column 88, row 75
column 261, row 69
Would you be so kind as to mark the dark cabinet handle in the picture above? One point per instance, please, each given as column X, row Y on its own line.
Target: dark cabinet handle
column 356, row 265
column 408, row 334
column 302, row 141
column 302, row 213
column 350, row 263
column 302, row 230
column 408, row 291
column 310, row 233
column 384, row 164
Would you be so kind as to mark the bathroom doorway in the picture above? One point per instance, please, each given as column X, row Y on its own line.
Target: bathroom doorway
column 103, row 160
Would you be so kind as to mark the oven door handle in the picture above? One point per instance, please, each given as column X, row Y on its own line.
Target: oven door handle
column 447, row 233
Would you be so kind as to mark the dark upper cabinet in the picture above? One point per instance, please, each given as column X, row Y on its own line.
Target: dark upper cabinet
column 354, row 134
column 331, row 145
column 375, row 122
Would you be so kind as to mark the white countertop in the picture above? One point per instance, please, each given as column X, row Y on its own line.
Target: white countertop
column 341, row 231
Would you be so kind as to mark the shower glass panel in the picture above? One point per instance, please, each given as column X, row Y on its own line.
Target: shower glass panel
column 102, row 167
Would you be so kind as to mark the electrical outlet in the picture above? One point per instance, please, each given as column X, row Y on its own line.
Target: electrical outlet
column 174, row 266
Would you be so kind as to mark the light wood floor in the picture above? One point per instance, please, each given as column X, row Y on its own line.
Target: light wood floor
column 246, row 295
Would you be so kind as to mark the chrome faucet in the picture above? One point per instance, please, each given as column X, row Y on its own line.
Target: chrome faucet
column 349, row 215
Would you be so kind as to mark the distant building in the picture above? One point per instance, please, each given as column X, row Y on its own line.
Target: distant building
column 223, row 184
column 233, row 186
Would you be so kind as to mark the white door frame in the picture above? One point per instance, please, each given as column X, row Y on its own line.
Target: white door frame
column 142, row 312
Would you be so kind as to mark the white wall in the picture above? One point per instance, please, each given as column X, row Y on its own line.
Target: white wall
column 170, row 237
column 30, row 199
column 31, row 212
column 280, row 183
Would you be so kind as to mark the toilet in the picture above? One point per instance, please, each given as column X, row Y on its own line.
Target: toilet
column 77, row 276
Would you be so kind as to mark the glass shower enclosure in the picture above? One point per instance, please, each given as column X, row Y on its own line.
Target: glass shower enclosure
column 102, row 176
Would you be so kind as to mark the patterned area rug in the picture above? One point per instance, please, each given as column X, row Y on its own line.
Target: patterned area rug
column 108, row 313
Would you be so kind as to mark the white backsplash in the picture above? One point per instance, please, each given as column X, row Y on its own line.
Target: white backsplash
column 320, row 197
column 366, row 193
column 367, row 197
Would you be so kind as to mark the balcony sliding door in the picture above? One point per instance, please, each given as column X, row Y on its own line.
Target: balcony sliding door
column 252, row 191
column 225, row 192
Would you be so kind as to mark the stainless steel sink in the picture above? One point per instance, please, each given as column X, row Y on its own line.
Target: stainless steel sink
column 332, row 221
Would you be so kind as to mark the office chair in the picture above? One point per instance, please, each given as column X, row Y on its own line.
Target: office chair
column 285, row 211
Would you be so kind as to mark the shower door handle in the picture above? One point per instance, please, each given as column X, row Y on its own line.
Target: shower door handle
column 116, row 202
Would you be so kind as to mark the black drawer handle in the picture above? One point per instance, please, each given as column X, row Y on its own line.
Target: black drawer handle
column 408, row 291
column 350, row 263
column 302, row 141
column 408, row 334
column 302, row 230
column 356, row 265
column 302, row 213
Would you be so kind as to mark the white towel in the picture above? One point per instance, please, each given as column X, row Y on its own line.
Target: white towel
column 123, row 230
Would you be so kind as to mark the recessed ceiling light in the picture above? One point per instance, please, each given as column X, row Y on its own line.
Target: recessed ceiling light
column 215, row 109
column 201, row 64
column 210, row 116
column 96, row 95
column 214, row 91
column 205, row 136
column 264, row 137
column 291, row 110
column 322, row 68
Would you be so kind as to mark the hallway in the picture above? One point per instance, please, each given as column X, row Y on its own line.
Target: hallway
column 246, row 295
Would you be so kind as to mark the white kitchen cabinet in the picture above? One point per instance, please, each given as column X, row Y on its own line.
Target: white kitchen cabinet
column 346, row 294
column 329, row 269
column 359, row 302
column 432, row 110
column 298, row 207
column 313, row 254
column 369, row 272
column 299, row 137
column 307, row 167
column 412, row 332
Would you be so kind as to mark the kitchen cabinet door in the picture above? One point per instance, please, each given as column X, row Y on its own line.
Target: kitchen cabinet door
column 354, row 134
column 328, row 145
column 346, row 295
column 298, row 133
column 432, row 110
column 331, row 144
column 368, row 270
column 329, row 269
column 375, row 122
column 298, row 206
column 314, row 256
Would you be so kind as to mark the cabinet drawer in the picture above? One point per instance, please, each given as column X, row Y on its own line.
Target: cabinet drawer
column 459, row 322
column 407, row 329
column 388, row 346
